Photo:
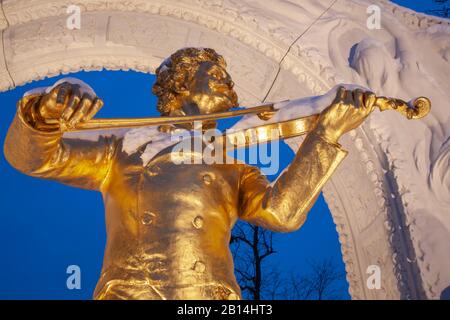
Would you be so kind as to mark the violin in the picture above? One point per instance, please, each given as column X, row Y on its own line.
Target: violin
column 415, row 109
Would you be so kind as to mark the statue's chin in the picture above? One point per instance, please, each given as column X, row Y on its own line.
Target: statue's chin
column 226, row 102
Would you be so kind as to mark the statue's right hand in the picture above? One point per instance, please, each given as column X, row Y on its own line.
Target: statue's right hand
column 66, row 106
column 348, row 111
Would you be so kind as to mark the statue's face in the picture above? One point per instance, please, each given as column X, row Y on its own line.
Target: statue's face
column 211, row 90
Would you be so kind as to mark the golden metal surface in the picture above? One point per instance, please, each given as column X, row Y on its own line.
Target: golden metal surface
column 168, row 225
column 102, row 124
column 416, row 109
column 265, row 133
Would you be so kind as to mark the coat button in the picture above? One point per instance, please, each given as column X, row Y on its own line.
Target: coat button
column 197, row 222
column 147, row 217
column 199, row 266
column 207, row 178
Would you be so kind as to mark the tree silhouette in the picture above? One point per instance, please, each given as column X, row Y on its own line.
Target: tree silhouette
column 252, row 245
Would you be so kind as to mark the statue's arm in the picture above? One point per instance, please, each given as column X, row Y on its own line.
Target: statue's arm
column 41, row 152
column 284, row 206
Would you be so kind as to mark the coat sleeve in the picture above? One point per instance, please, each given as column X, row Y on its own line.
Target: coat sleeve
column 46, row 154
column 284, row 206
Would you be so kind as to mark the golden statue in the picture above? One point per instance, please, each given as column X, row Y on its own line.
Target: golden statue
column 168, row 225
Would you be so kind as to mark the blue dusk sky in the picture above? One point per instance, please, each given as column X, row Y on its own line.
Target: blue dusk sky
column 47, row 226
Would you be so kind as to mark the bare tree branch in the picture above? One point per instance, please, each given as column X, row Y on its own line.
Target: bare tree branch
column 260, row 280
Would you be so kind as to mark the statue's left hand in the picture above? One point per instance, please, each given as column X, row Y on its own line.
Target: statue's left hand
column 65, row 106
column 348, row 111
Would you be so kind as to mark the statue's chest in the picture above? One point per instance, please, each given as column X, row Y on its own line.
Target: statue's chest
column 164, row 182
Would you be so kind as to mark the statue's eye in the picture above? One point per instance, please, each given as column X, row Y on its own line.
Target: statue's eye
column 216, row 75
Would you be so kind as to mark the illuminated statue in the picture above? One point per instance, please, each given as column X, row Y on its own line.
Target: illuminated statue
column 169, row 225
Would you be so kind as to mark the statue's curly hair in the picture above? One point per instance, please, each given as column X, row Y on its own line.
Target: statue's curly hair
column 174, row 72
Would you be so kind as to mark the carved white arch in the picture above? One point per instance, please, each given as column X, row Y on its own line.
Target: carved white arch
column 278, row 47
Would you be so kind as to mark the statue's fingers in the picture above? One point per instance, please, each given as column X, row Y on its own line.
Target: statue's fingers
column 349, row 99
column 96, row 106
column 45, row 102
column 64, row 91
column 369, row 100
column 50, row 97
column 72, row 104
column 340, row 95
column 53, row 94
column 47, row 106
column 358, row 98
column 52, row 103
column 82, row 109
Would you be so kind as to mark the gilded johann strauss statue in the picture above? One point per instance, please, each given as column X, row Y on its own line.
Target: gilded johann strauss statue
column 168, row 225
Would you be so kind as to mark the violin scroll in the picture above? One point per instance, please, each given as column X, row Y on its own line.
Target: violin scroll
column 415, row 109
